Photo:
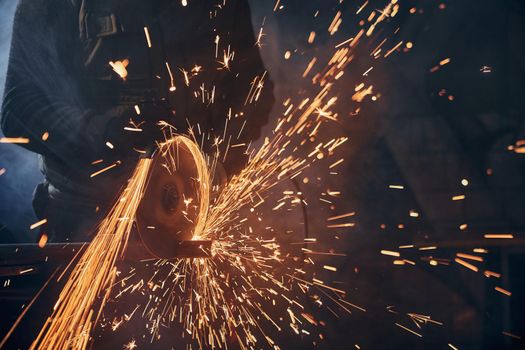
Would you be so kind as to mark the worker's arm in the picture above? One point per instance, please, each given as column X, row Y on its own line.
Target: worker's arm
column 249, row 89
column 44, row 89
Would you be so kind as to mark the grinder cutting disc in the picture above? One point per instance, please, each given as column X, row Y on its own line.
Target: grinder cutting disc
column 176, row 199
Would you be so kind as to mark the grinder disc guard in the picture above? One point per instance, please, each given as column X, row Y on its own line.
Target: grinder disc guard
column 176, row 199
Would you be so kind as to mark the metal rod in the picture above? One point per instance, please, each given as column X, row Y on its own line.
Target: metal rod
column 31, row 254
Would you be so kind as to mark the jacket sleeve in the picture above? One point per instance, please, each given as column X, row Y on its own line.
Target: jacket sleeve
column 250, row 90
column 43, row 92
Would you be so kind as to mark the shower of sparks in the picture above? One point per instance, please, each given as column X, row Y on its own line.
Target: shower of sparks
column 252, row 286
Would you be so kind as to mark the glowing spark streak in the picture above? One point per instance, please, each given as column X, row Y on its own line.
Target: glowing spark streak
column 408, row 330
column 172, row 84
column 352, row 305
column 42, row 241
column 258, row 42
column 256, row 88
column 105, row 169
column 127, row 128
column 511, row 335
column 342, row 216
column 148, row 39
column 362, row 7
column 428, row 248
column 336, row 163
column 38, row 224
column 365, row 74
column 393, row 49
column 498, row 236
column 276, row 5
column 390, row 253
column 444, row 62
column 343, row 43
column 503, row 291
column 336, row 22
column 489, row 274
column 311, row 38
column 470, row 257
column 19, row 140
column 349, row 224
column 186, row 77
column 466, row 264
column 217, row 40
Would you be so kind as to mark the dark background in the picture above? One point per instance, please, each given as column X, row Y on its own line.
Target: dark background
column 413, row 136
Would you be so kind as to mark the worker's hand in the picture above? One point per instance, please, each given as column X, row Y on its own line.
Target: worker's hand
column 125, row 138
column 131, row 132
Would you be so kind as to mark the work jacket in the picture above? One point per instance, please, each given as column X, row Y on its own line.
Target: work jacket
column 194, row 64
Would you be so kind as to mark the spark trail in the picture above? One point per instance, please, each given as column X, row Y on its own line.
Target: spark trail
column 75, row 313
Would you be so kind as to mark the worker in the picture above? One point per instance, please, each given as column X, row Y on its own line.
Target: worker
column 89, row 82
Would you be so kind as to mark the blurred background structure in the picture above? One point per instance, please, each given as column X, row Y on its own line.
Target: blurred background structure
column 438, row 133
